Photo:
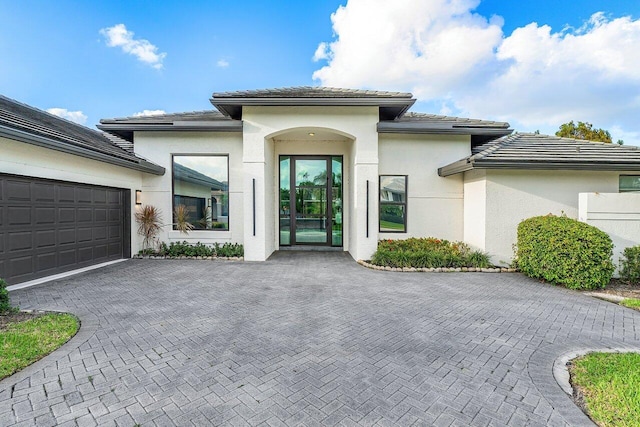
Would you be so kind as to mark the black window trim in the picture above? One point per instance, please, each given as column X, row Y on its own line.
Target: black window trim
column 405, row 203
column 219, row 230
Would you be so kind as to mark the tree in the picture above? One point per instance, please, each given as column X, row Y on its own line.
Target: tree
column 583, row 130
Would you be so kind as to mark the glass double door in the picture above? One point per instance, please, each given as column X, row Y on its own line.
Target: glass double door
column 310, row 200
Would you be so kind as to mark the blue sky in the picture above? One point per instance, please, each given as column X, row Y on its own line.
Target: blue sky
column 484, row 59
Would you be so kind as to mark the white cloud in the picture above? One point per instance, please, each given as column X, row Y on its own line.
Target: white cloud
column 222, row 63
column 74, row 116
column 448, row 55
column 146, row 113
column 119, row 36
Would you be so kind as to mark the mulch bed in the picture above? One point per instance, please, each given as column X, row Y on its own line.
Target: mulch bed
column 620, row 288
column 8, row 319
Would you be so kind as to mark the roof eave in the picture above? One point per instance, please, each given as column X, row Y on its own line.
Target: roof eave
column 456, row 167
column 389, row 107
column 125, row 130
column 40, row 141
column 438, row 128
column 469, row 164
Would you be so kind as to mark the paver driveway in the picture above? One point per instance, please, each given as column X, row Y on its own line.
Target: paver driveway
column 307, row 339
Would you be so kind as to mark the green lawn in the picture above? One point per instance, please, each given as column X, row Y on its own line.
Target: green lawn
column 388, row 225
column 631, row 303
column 610, row 383
column 25, row 342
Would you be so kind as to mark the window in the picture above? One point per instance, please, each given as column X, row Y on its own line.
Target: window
column 393, row 203
column 201, row 189
column 629, row 183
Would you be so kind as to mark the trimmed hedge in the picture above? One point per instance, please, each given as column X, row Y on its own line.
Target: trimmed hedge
column 427, row 253
column 630, row 265
column 564, row 251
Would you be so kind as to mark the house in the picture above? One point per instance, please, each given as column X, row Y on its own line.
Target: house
column 279, row 169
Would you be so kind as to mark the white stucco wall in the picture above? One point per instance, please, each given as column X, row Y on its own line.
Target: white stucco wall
column 434, row 203
column 475, row 209
column 512, row 196
column 23, row 159
column 263, row 126
column 159, row 147
column 617, row 214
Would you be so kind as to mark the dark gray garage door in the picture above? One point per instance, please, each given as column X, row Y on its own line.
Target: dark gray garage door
column 48, row 227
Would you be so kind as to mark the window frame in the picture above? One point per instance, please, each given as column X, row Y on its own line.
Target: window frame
column 173, row 156
column 382, row 203
column 620, row 190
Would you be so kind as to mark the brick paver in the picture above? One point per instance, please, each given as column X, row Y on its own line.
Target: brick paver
column 307, row 339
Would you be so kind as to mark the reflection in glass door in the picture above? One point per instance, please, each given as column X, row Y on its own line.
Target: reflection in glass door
column 310, row 200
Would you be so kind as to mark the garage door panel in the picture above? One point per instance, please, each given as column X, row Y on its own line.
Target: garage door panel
column 18, row 190
column 66, row 236
column 21, row 266
column 47, row 227
column 43, row 192
column 114, row 215
column 19, row 215
column 100, row 251
column 66, row 194
column 66, row 215
column 45, row 239
column 84, row 235
column 46, row 261
column 100, row 233
column 100, row 215
column 85, row 254
column 114, row 197
column 115, row 232
column 99, row 195
column 84, row 215
column 84, row 195
column 115, row 249
column 45, row 215
column 20, row 240
column 67, row 257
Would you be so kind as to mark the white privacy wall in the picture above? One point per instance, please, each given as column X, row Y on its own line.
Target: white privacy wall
column 23, row 159
column 434, row 203
column 617, row 214
column 513, row 195
column 158, row 147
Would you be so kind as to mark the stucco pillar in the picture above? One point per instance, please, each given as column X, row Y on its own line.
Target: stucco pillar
column 255, row 191
column 365, row 168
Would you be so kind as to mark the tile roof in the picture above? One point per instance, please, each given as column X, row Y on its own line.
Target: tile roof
column 208, row 115
column 311, row 92
column 454, row 121
column 210, row 120
column 28, row 124
column 535, row 151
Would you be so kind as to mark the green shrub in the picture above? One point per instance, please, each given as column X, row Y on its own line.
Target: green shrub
column 5, row 304
column 630, row 265
column 564, row 251
column 177, row 249
column 427, row 253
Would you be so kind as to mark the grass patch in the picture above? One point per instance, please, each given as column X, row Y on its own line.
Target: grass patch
column 388, row 225
column 25, row 342
column 631, row 303
column 610, row 386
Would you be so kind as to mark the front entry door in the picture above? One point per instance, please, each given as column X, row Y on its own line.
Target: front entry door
column 311, row 200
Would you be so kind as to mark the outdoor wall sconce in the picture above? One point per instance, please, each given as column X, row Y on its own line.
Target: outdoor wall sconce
column 138, row 197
